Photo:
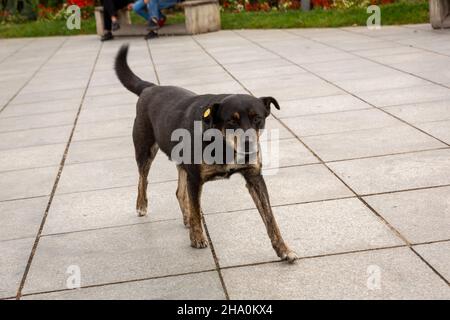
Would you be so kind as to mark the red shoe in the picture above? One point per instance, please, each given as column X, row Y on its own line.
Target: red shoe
column 162, row 21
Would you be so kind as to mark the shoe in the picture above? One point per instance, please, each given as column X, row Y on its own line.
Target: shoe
column 107, row 36
column 115, row 26
column 162, row 21
column 153, row 24
column 151, row 35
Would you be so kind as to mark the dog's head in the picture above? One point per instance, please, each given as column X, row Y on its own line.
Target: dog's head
column 240, row 118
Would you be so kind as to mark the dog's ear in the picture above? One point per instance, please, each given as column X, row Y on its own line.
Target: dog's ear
column 210, row 115
column 267, row 102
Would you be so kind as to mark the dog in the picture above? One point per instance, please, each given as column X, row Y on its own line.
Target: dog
column 161, row 110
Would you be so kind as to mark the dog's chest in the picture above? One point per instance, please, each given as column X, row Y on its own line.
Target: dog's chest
column 217, row 172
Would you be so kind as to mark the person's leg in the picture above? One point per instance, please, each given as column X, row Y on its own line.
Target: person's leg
column 107, row 24
column 111, row 7
column 141, row 9
column 153, row 9
column 165, row 4
column 108, row 8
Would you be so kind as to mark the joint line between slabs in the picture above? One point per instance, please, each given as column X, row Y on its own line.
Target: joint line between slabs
column 34, row 74
column 351, row 93
column 393, row 229
column 153, row 62
column 55, row 185
column 395, row 42
column 216, row 259
column 17, row 50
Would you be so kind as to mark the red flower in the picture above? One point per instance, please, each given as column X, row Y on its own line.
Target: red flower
column 81, row 3
column 321, row 3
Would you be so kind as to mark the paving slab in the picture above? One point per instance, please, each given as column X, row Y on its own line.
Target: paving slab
column 43, row 107
column 216, row 88
column 57, row 82
column 399, row 80
column 393, row 50
column 327, row 104
column 349, row 276
column 281, row 80
column 34, row 137
column 340, row 122
column 442, row 77
column 111, row 173
column 286, row 153
column 21, row 218
column 107, row 89
column 438, row 255
column 116, row 254
column 300, row 184
column 15, row 254
column 182, row 80
column 438, row 129
column 103, row 129
column 371, row 142
column 396, row 172
column 110, row 207
column 419, row 215
column 37, row 121
column 274, row 124
column 47, row 96
column 168, row 74
column 27, row 183
column 106, row 114
column 391, row 97
column 422, row 112
column 300, row 91
column 262, row 69
column 109, row 100
column 100, row 149
column 340, row 70
column 195, row 286
column 31, row 157
column 311, row 229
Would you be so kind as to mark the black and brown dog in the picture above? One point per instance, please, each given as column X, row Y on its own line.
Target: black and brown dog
column 162, row 109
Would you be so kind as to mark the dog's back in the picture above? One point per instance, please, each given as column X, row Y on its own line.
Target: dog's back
column 163, row 108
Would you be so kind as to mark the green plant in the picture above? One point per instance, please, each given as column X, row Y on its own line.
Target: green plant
column 18, row 10
column 346, row 4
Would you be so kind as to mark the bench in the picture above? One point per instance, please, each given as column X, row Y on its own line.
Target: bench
column 440, row 14
column 201, row 16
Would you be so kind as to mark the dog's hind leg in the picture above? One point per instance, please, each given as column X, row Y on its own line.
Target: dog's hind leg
column 145, row 150
column 194, row 188
column 182, row 195
column 258, row 191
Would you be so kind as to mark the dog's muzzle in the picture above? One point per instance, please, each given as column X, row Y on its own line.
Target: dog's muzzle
column 246, row 151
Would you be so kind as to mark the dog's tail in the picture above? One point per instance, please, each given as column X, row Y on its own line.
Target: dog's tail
column 130, row 81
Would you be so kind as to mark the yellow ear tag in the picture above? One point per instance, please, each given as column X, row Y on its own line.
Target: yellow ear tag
column 206, row 113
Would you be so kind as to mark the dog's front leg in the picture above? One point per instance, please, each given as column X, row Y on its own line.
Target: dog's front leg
column 198, row 239
column 258, row 190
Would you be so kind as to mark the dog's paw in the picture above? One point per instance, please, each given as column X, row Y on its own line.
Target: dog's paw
column 141, row 212
column 199, row 243
column 289, row 256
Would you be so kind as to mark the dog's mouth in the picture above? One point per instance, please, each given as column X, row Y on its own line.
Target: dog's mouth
column 245, row 147
column 246, row 153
